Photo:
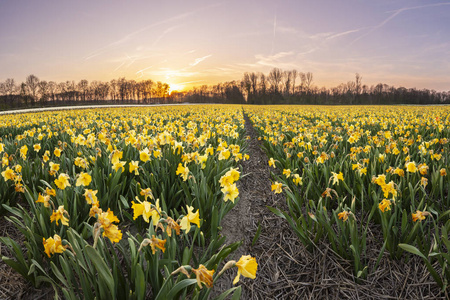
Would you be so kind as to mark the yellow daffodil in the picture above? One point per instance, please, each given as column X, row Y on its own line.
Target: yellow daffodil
column 57, row 152
column 183, row 171
column 272, row 163
column 411, row 167
column 90, row 196
column 134, row 167
column 277, row 187
column 50, row 192
column 247, row 267
column 84, row 179
column 287, row 173
column 297, row 179
column 144, row 155
column 224, row 154
column 116, row 156
column 59, row 214
column 147, row 210
column 37, row 147
column 189, row 218
column 336, row 177
column 443, row 172
column 23, row 152
column 157, row 243
column 53, row 245
column 110, row 230
column 230, row 192
column 43, row 199
column 63, row 181
column 8, row 174
column 423, row 181
column 119, row 165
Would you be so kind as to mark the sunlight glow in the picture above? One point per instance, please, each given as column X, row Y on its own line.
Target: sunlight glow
column 175, row 87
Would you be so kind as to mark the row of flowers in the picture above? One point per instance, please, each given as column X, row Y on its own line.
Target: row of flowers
column 169, row 174
column 347, row 169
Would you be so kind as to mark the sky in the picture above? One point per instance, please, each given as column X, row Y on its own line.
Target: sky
column 187, row 43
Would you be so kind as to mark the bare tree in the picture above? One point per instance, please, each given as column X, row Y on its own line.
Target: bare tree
column 43, row 90
column 358, row 79
column 308, row 82
column 275, row 77
column 83, row 87
column 294, row 76
column 262, row 83
column 52, row 88
column 247, row 87
column 287, row 75
column 32, row 85
column 10, row 87
column 303, row 81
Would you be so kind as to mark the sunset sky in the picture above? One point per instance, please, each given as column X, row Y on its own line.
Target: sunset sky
column 185, row 43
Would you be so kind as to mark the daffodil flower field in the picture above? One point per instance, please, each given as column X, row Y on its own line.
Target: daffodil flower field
column 123, row 203
column 346, row 172
column 129, row 203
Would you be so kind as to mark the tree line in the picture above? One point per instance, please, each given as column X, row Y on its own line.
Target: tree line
column 294, row 87
column 34, row 92
column 276, row 87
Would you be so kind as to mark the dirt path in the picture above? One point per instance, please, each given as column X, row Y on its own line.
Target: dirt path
column 241, row 224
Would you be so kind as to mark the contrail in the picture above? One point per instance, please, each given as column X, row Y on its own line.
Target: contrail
column 274, row 32
column 396, row 13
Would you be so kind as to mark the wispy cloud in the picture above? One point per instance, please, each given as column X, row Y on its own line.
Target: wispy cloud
column 129, row 36
column 140, row 73
column 199, row 60
column 343, row 33
column 164, row 33
column 396, row 13
column 272, row 60
column 274, row 31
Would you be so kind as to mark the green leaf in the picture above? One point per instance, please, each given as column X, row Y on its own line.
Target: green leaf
column 237, row 294
column 140, row 282
column 102, row 269
column 258, row 232
column 412, row 249
column 177, row 288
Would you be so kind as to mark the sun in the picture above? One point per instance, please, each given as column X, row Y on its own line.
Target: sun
column 175, row 87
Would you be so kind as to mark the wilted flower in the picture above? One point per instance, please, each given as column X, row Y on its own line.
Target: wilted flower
column 53, row 245
column 59, row 214
column 420, row 215
column 385, row 205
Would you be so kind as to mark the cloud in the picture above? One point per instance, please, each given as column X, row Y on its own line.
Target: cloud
column 164, row 33
column 272, row 60
column 342, row 34
column 129, row 36
column 394, row 14
column 199, row 60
